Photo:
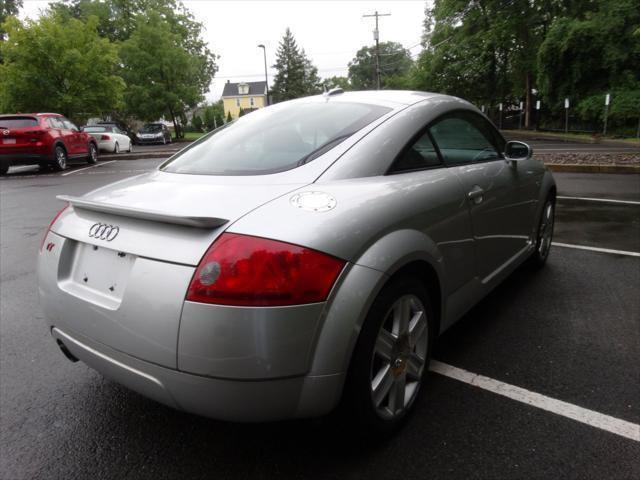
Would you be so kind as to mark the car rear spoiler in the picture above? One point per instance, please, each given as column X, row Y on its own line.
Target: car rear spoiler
column 154, row 216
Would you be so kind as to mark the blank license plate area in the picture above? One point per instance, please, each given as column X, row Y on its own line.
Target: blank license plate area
column 102, row 270
column 8, row 141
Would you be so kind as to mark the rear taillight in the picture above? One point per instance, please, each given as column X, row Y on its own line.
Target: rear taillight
column 105, row 137
column 51, row 225
column 250, row 271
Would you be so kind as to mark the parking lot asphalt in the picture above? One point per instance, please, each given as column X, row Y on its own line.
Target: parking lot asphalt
column 570, row 332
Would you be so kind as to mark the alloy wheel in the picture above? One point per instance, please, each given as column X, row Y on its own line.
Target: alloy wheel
column 546, row 230
column 61, row 158
column 399, row 357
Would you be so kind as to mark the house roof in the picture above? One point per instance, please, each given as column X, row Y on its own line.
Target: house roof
column 255, row 88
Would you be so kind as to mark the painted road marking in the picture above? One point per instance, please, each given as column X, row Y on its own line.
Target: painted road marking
column 597, row 249
column 86, row 168
column 568, row 410
column 604, row 200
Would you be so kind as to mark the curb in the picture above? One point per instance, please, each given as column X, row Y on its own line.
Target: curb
column 597, row 168
column 536, row 135
column 139, row 156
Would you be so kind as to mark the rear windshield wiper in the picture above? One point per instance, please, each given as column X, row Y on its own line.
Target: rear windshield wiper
column 323, row 148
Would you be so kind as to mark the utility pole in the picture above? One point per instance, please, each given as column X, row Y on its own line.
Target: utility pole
column 376, row 37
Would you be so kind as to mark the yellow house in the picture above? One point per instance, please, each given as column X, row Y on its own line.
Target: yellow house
column 248, row 96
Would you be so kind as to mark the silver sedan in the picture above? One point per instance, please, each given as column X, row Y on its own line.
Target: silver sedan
column 304, row 256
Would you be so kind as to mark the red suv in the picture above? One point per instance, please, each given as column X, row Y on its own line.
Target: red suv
column 45, row 139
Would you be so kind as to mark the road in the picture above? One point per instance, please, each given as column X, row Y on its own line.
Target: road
column 569, row 332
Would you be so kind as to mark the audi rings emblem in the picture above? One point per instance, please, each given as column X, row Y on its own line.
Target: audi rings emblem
column 102, row 231
column 5, row 132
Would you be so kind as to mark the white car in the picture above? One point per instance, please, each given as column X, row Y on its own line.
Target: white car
column 110, row 138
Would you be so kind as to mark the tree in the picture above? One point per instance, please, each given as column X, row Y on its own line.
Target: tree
column 485, row 51
column 296, row 77
column 395, row 61
column 336, row 82
column 213, row 116
column 58, row 64
column 8, row 8
column 590, row 54
column 229, row 118
column 196, row 123
column 166, row 73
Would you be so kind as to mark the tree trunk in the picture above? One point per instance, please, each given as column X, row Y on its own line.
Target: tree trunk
column 527, row 114
column 176, row 127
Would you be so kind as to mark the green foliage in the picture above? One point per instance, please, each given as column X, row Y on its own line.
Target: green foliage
column 213, row 116
column 492, row 51
column 624, row 107
column 163, row 76
column 591, row 53
column 296, row 76
column 58, row 64
column 8, row 8
column 196, row 123
column 395, row 62
column 336, row 82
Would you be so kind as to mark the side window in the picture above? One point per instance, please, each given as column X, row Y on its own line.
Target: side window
column 56, row 122
column 68, row 125
column 461, row 139
column 421, row 154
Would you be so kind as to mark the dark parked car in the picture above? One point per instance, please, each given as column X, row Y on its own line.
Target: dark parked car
column 153, row 133
column 45, row 139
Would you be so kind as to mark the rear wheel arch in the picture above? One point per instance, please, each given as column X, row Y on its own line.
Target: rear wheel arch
column 428, row 276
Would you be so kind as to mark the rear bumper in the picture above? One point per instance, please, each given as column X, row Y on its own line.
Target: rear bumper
column 23, row 158
column 225, row 399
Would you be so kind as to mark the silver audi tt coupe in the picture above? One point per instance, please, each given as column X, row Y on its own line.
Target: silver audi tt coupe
column 303, row 256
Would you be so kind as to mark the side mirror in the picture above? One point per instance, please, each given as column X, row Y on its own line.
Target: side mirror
column 514, row 150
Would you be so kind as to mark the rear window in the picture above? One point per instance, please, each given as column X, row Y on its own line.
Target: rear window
column 274, row 139
column 18, row 122
column 151, row 128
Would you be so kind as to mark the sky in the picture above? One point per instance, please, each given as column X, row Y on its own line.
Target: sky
column 330, row 31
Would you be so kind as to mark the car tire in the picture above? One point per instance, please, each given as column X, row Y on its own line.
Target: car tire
column 116, row 148
column 92, row 158
column 59, row 158
column 544, row 235
column 389, row 364
column 4, row 169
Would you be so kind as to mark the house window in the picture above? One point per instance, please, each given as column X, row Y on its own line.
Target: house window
column 243, row 89
column 237, row 102
column 251, row 101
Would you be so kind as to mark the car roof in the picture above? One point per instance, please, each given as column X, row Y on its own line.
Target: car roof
column 395, row 99
column 20, row 114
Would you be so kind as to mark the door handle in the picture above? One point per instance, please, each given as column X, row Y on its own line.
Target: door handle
column 476, row 195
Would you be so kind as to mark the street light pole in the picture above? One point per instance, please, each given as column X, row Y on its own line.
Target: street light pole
column 266, row 78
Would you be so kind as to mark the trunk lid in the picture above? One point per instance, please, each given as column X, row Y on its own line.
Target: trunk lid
column 165, row 216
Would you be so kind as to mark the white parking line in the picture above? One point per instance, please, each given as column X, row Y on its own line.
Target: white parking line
column 85, row 168
column 568, row 410
column 604, row 200
column 597, row 249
